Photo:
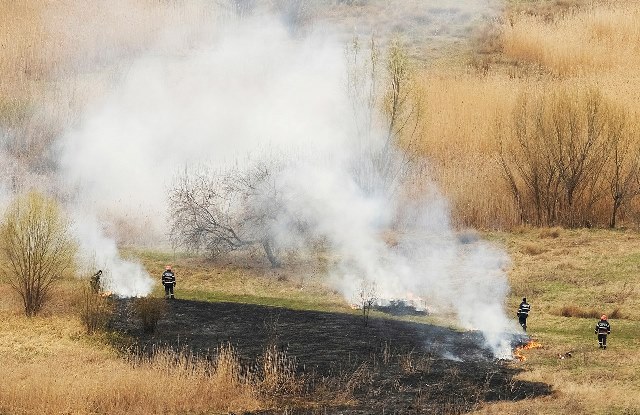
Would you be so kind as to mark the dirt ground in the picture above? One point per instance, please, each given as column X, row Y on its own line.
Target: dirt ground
column 389, row 366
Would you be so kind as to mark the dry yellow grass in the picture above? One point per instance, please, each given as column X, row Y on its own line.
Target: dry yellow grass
column 50, row 367
column 555, row 268
column 589, row 47
column 603, row 37
column 595, row 271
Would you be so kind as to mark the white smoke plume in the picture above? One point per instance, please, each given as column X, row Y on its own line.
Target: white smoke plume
column 248, row 86
column 121, row 277
column 426, row 260
column 253, row 89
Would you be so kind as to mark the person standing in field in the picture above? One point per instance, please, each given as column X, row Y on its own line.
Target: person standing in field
column 603, row 328
column 523, row 313
column 169, row 281
column 95, row 283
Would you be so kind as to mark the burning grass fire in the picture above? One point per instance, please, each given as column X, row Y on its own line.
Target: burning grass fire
column 531, row 344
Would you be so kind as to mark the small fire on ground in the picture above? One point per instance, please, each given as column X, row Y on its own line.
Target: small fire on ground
column 532, row 344
column 413, row 306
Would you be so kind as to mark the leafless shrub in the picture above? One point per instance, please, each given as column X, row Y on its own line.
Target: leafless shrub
column 368, row 296
column 95, row 310
column 149, row 310
column 616, row 314
column 383, row 95
column 623, row 172
column 36, row 243
column 575, row 311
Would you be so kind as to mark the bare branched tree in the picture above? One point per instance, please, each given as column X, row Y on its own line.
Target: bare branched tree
column 528, row 168
column 38, row 248
column 225, row 211
column 580, row 146
column 624, row 168
column 564, row 143
column 387, row 114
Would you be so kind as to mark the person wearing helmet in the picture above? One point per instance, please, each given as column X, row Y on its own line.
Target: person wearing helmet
column 169, row 281
column 523, row 313
column 603, row 328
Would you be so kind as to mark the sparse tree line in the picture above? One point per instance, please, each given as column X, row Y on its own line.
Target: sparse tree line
column 571, row 158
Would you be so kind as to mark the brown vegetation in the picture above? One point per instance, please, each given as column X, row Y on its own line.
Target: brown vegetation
column 48, row 371
column 574, row 311
column 95, row 310
column 573, row 46
column 149, row 310
column 550, row 54
column 588, row 51
column 37, row 248
column 586, row 269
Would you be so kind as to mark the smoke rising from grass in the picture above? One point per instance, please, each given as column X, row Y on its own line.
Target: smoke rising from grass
column 425, row 261
column 214, row 104
column 249, row 88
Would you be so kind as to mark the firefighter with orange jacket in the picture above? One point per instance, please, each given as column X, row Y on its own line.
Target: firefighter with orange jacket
column 169, row 281
column 603, row 328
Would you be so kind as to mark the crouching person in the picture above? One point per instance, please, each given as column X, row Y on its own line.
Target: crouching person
column 169, row 281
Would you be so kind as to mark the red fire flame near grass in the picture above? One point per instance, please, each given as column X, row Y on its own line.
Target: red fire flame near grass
column 532, row 344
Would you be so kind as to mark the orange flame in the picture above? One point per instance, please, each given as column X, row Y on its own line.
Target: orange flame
column 532, row 344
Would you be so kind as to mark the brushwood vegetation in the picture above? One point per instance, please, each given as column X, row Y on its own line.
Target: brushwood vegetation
column 531, row 130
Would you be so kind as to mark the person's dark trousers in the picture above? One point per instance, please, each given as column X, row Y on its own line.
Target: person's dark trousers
column 602, row 339
column 523, row 322
column 168, row 290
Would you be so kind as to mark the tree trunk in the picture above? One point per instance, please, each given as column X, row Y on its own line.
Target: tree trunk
column 614, row 212
column 266, row 244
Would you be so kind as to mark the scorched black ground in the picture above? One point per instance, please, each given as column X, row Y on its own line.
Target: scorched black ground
column 405, row 367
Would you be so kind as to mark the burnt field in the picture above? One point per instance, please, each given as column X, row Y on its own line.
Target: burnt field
column 389, row 366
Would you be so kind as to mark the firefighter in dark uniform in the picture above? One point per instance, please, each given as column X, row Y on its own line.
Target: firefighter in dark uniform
column 602, row 329
column 96, row 286
column 169, row 281
column 523, row 313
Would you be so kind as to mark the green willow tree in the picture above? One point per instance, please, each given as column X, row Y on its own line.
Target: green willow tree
column 37, row 249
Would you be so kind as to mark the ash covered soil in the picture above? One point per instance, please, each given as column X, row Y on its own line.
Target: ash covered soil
column 389, row 366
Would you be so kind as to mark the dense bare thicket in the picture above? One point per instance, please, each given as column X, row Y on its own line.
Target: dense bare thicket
column 37, row 247
column 225, row 211
column 566, row 150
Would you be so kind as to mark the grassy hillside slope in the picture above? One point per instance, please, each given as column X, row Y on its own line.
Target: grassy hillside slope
column 569, row 277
